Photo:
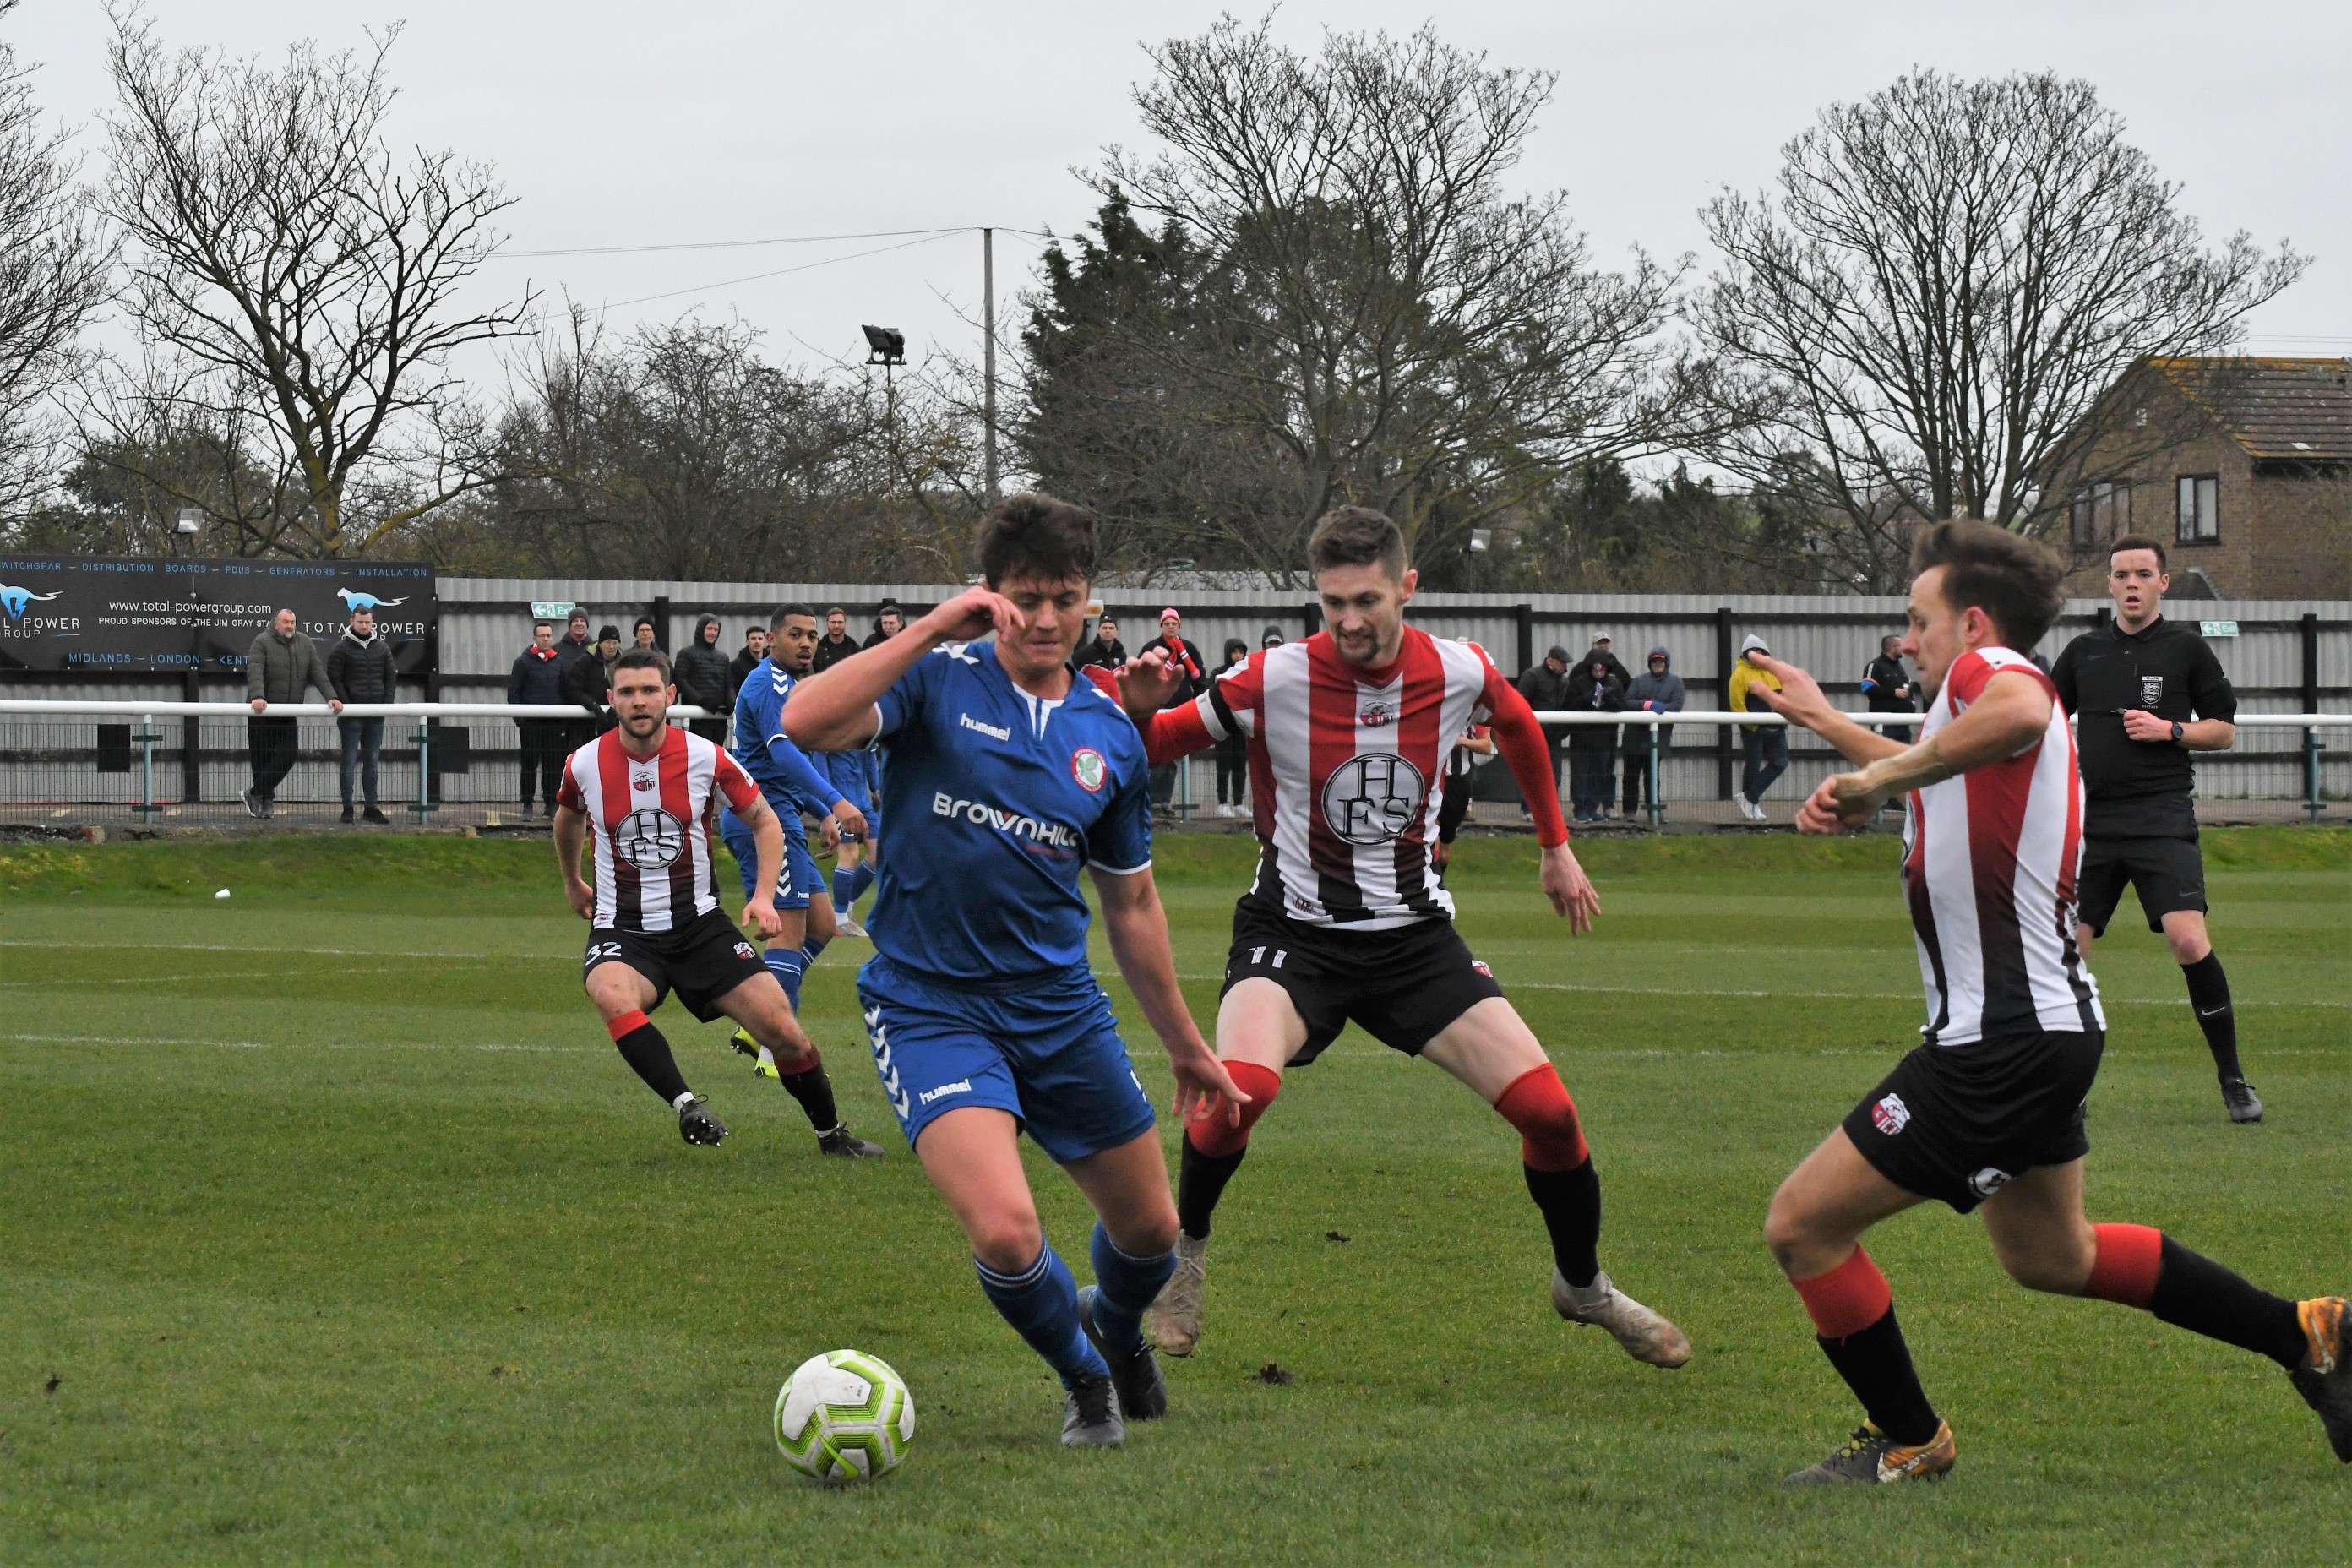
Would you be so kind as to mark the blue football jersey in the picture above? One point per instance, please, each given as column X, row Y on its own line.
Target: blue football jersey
column 781, row 770
column 996, row 801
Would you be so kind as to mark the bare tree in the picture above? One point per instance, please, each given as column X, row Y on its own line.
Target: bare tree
column 1374, row 317
column 53, row 274
column 1931, row 306
column 295, row 279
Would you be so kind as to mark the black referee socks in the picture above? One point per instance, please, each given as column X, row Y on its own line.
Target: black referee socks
column 2209, row 996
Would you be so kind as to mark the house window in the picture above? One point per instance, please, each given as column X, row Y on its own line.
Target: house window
column 2200, row 508
column 2100, row 510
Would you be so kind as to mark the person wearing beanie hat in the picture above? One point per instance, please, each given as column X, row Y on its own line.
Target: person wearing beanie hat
column 1545, row 685
column 1657, row 690
column 1765, row 746
column 1192, row 667
column 589, row 681
column 1233, row 752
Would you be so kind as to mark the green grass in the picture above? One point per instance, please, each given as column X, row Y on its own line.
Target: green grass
column 335, row 1232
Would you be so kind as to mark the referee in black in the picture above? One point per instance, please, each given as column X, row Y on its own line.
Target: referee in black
column 2145, row 693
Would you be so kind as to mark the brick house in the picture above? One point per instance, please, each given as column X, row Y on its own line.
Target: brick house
column 2242, row 466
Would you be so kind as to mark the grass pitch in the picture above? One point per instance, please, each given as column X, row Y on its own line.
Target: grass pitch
column 336, row 1232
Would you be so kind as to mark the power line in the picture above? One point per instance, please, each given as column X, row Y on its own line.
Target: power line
column 742, row 244
column 929, row 236
column 729, row 244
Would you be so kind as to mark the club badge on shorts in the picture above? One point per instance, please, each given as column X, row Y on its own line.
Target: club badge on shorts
column 1086, row 766
column 1890, row 1115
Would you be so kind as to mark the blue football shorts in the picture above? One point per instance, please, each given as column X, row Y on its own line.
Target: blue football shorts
column 798, row 879
column 1049, row 1056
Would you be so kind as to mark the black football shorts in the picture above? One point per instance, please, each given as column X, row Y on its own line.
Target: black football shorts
column 2168, row 874
column 1957, row 1123
column 1404, row 984
column 702, row 959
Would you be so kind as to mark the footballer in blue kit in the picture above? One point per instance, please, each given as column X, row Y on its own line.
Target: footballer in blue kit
column 1007, row 774
column 793, row 784
column 853, row 859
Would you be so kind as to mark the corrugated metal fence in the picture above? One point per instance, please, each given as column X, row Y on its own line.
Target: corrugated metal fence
column 2286, row 656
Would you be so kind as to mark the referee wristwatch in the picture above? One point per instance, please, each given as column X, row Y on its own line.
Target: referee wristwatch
column 2177, row 731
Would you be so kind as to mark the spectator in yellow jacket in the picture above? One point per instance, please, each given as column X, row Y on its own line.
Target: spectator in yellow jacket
column 1766, row 745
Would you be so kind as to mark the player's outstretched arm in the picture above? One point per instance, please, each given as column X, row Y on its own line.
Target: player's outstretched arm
column 768, row 839
column 571, row 833
column 1137, row 928
column 2010, row 714
column 1801, row 701
column 833, row 710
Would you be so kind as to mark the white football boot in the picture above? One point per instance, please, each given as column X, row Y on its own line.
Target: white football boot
column 1173, row 1323
column 1646, row 1336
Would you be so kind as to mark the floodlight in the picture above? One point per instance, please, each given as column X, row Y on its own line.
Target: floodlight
column 889, row 345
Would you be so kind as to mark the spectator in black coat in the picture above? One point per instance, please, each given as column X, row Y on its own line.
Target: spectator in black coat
column 747, row 659
column 1887, row 687
column 701, row 671
column 889, row 620
column 537, row 678
column 359, row 667
column 1592, row 748
column 575, row 644
column 837, row 644
column 1602, row 651
column 1104, row 648
column 589, row 681
column 1545, row 685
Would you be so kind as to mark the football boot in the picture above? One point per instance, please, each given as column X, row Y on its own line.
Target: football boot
column 1646, row 1335
column 2326, row 1383
column 1870, row 1458
column 1090, row 1416
column 1173, row 1323
column 1142, row 1392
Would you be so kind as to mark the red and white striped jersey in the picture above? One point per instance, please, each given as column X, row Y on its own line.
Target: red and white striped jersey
column 1344, row 768
column 1990, row 861
column 652, row 819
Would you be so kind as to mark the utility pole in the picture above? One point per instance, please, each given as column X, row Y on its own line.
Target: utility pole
column 988, row 361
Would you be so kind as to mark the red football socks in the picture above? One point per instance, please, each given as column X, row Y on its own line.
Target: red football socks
column 1211, row 1134
column 1848, row 1299
column 1537, row 1103
column 2125, row 1268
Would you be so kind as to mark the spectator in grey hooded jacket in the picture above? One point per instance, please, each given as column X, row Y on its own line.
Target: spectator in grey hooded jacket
column 1657, row 690
column 700, row 672
column 279, row 667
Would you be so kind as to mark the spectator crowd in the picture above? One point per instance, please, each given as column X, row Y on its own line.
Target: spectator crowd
column 1607, row 770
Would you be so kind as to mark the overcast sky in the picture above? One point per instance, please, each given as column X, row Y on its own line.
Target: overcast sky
column 615, row 123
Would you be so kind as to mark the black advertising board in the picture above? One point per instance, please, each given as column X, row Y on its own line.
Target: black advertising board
column 143, row 614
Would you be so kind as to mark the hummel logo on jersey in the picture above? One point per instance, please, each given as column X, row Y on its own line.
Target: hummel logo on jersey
column 1374, row 798
column 960, row 1086
column 1004, row 821
column 994, row 731
column 1890, row 1115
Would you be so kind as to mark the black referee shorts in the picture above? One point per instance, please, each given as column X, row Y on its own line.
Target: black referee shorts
column 1404, row 984
column 702, row 959
column 1957, row 1123
column 2167, row 873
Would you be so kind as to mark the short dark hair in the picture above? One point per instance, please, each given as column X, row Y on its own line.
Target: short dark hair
column 2139, row 541
column 644, row 658
column 837, row 610
column 1356, row 536
column 783, row 612
column 1034, row 536
column 2012, row 579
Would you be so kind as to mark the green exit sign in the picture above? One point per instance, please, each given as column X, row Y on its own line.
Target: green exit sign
column 561, row 609
column 2218, row 628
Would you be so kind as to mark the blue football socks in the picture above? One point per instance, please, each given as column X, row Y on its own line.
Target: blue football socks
column 1041, row 1302
column 844, row 887
column 787, row 964
column 1125, row 1286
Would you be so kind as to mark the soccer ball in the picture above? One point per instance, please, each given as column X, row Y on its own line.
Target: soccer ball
column 844, row 1416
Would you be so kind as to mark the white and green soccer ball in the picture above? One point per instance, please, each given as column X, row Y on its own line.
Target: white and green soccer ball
column 844, row 1416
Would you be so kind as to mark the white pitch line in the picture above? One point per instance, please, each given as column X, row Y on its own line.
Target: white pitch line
column 129, row 942
column 270, row 1045
column 1509, row 985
